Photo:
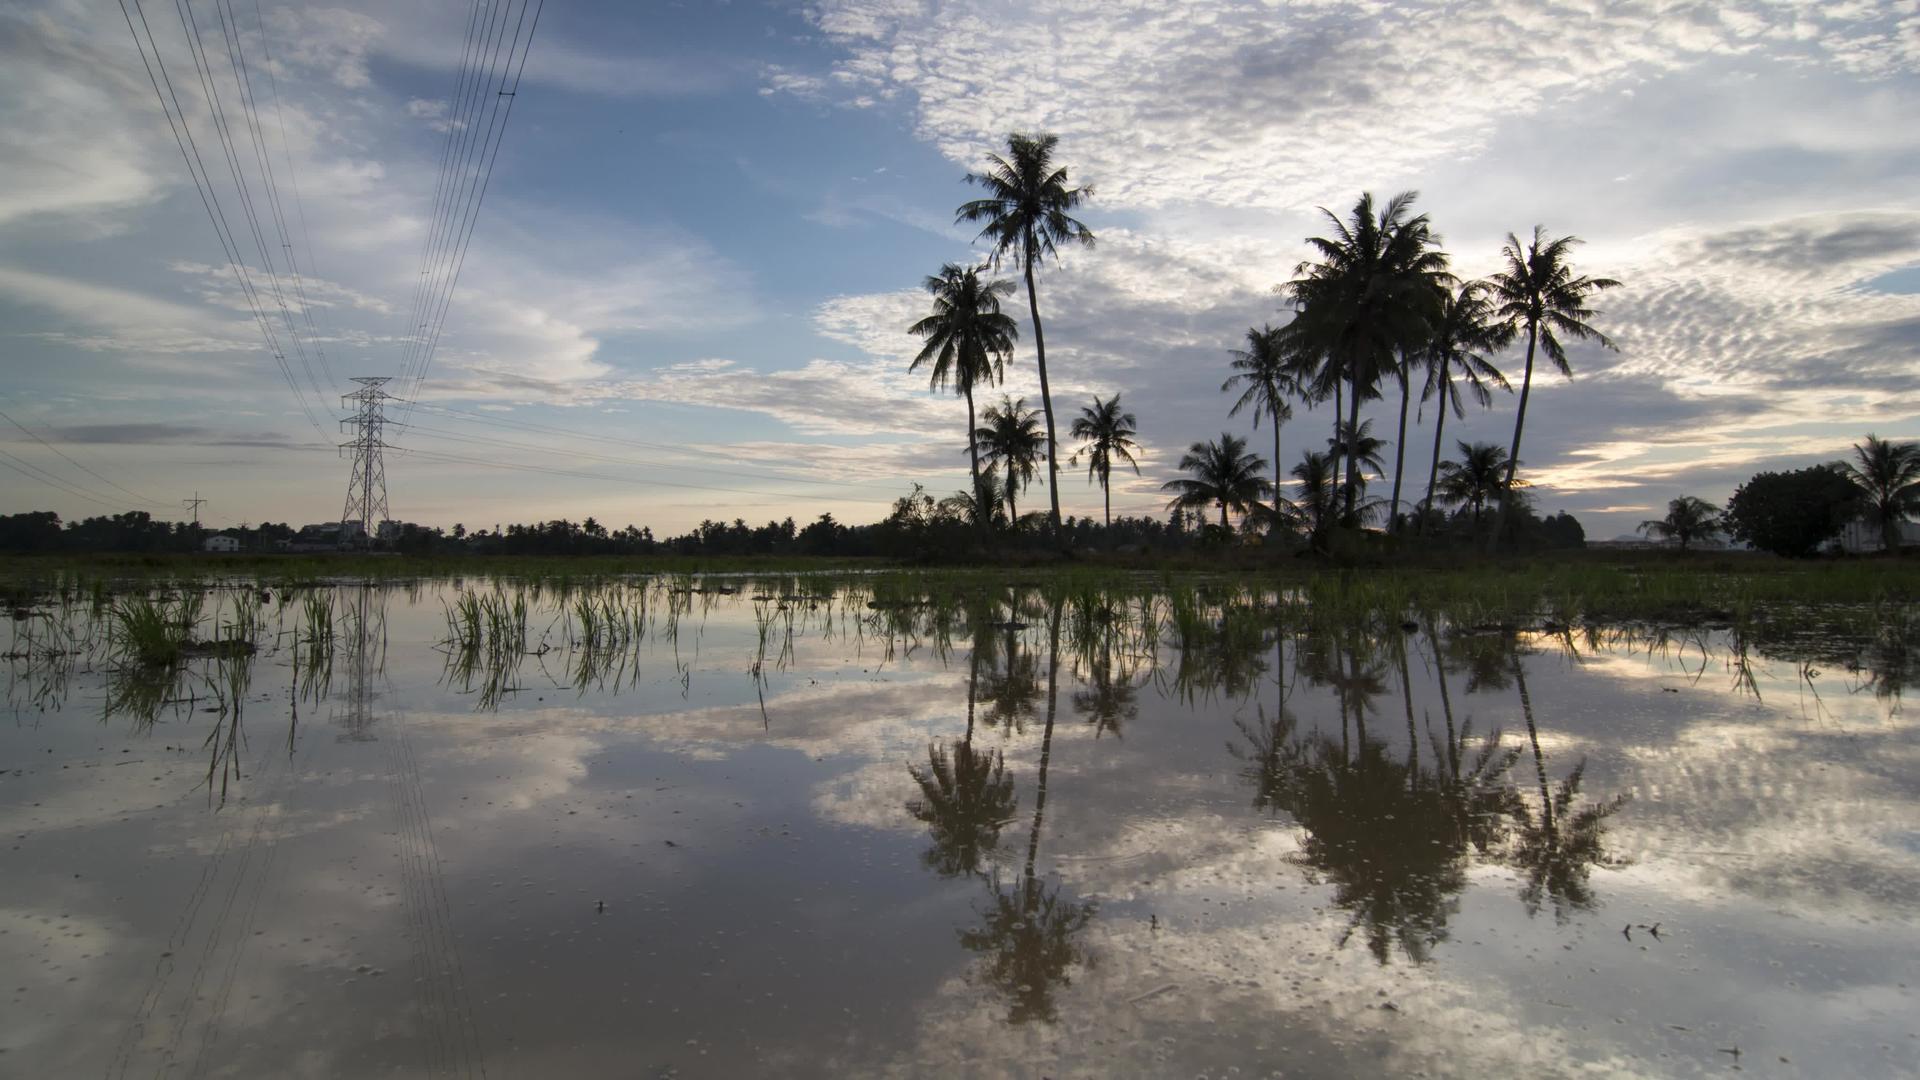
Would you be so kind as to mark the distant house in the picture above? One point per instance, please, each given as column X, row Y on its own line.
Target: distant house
column 220, row 545
column 1861, row 535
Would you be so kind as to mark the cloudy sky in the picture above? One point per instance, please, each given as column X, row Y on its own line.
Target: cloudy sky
column 685, row 293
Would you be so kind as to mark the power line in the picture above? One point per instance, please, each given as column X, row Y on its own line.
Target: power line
column 484, row 180
column 34, row 472
column 459, row 132
column 203, row 184
column 300, row 209
column 197, row 46
column 30, row 434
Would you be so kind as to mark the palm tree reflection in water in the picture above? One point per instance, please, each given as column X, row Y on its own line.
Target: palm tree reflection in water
column 1558, row 843
column 1394, row 837
column 1026, row 932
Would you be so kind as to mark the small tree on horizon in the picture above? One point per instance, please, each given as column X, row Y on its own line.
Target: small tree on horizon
column 1221, row 473
column 1888, row 476
column 1688, row 519
column 1107, row 433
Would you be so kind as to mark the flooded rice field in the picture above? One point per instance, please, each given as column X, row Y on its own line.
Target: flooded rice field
column 787, row 827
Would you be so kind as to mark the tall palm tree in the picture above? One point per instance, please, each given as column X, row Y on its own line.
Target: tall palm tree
column 1688, row 519
column 1455, row 356
column 1107, row 433
column 1224, row 473
column 968, row 341
column 1370, row 297
column 1888, row 476
column 1474, row 480
column 1269, row 373
column 1011, row 440
column 1539, row 291
column 1026, row 215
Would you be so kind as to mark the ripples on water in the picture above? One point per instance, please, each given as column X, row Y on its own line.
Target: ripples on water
column 767, row 827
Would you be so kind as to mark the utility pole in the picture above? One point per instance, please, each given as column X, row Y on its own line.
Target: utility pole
column 367, row 482
column 194, row 505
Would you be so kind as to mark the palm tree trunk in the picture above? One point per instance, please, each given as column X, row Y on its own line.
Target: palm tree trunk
column 1353, row 458
column 1339, row 413
column 1446, row 704
column 1276, row 473
column 1223, row 516
column 980, row 512
column 1400, row 443
column 973, row 685
column 1013, row 512
column 1046, row 396
column 1413, row 736
column 1106, row 494
column 1433, row 470
column 1046, row 736
column 1533, row 736
column 1513, row 454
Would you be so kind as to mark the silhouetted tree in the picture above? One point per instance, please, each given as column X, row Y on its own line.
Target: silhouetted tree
column 1011, row 440
column 1026, row 214
column 1538, row 290
column 1792, row 513
column 1455, row 356
column 1888, row 476
column 1269, row 373
column 1370, row 296
column 1223, row 473
column 968, row 341
column 1107, row 433
column 1688, row 519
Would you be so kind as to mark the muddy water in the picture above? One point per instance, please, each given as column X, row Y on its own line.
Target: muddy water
column 836, row 842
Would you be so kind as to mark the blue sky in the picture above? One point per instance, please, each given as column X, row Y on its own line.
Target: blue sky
column 691, row 276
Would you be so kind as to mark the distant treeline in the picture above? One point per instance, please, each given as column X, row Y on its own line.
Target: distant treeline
column 919, row 528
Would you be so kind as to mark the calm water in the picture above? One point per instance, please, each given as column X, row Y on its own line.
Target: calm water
column 1029, row 838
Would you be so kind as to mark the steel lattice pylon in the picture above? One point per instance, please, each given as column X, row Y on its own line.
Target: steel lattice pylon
column 367, row 483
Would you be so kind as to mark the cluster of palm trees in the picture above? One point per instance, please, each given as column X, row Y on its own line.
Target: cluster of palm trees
column 1376, row 307
column 1886, row 481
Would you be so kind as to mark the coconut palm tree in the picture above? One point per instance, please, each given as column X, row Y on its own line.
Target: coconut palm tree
column 1688, row 519
column 1455, row 357
column 1026, row 214
column 1224, row 473
column 1888, row 476
column 1539, row 291
column 1370, row 297
column 968, row 341
column 1269, row 373
column 1361, row 451
column 1107, row 433
column 1010, row 439
column 1319, row 497
column 1474, row 480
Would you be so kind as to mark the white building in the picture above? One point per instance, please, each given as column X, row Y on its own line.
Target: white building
column 1862, row 534
column 220, row 545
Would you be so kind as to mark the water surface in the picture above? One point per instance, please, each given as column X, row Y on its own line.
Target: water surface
column 800, row 831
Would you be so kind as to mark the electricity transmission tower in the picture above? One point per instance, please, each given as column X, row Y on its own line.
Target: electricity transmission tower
column 194, row 504
column 367, row 483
